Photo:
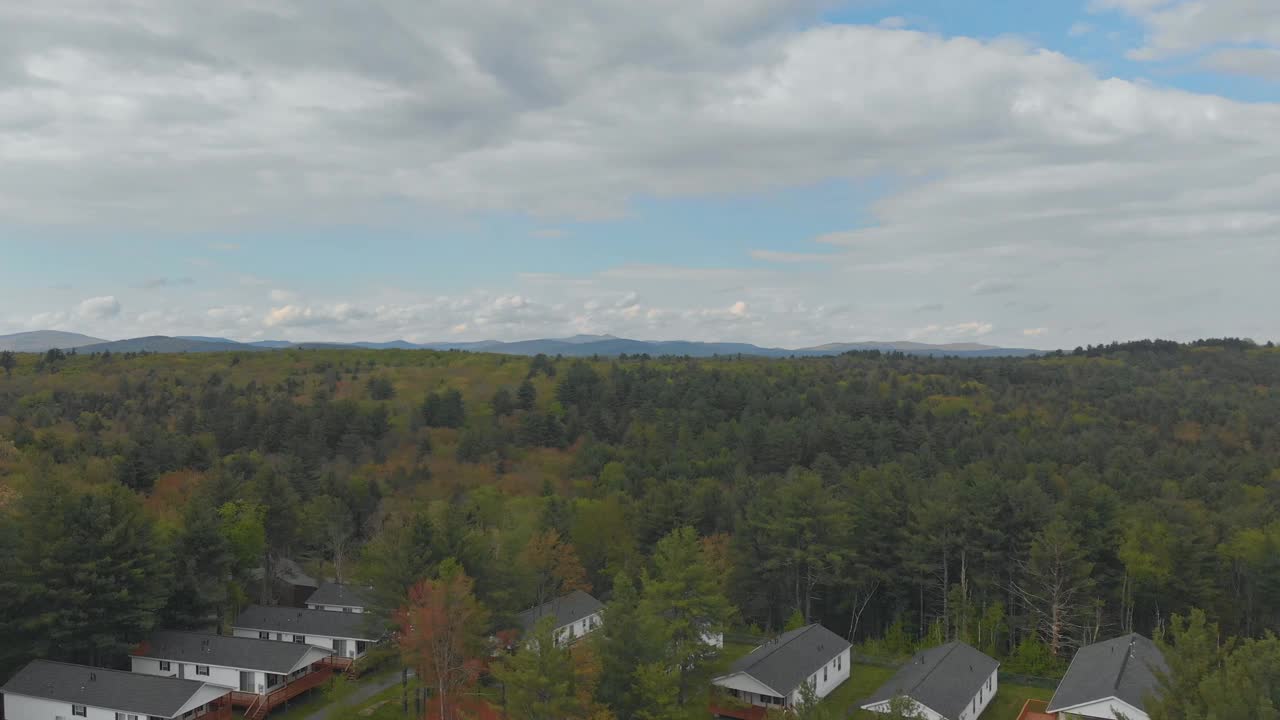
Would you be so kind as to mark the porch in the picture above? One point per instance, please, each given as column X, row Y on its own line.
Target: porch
column 738, row 712
column 258, row 706
column 219, row 709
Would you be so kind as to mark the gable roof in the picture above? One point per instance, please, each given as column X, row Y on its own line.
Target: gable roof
column 566, row 610
column 101, row 688
column 302, row 621
column 270, row 656
column 944, row 679
column 1124, row 667
column 340, row 595
column 789, row 659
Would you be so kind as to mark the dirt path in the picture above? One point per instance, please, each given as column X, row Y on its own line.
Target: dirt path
column 350, row 702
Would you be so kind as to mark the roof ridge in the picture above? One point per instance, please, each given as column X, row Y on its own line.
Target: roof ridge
column 1124, row 661
column 779, row 645
column 953, row 645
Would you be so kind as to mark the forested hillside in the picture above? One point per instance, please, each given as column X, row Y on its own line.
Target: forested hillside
column 1026, row 505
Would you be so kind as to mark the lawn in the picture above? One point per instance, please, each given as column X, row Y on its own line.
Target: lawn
column 335, row 692
column 1009, row 700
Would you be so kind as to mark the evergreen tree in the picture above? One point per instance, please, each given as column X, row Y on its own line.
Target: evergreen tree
column 91, row 570
column 526, row 395
column 684, row 591
column 202, row 562
column 629, row 638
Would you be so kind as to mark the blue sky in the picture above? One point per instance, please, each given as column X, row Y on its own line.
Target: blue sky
column 789, row 173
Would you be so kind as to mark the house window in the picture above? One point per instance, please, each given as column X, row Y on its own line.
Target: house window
column 346, row 609
column 824, row 673
column 79, row 711
column 264, row 635
column 164, row 666
column 300, row 638
column 839, row 658
column 202, row 669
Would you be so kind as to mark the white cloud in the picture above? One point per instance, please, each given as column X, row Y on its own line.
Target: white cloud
column 1260, row 62
column 311, row 316
column 99, row 308
column 1035, row 332
column 1079, row 29
column 1000, row 160
column 1183, row 27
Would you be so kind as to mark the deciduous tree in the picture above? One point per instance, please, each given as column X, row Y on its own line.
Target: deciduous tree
column 441, row 637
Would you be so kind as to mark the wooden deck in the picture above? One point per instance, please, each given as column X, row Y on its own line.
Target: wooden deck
column 751, row 712
column 1035, row 710
column 258, row 706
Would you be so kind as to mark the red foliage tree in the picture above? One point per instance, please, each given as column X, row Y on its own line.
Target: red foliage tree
column 441, row 637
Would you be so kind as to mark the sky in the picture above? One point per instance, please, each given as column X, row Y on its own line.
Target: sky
column 786, row 172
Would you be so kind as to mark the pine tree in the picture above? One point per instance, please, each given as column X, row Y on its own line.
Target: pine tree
column 202, row 565
column 685, row 593
column 93, row 571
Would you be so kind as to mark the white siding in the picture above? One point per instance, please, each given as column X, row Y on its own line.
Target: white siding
column 837, row 671
column 573, row 631
column 1109, row 708
column 221, row 676
column 336, row 608
column 321, row 641
column 21, row 707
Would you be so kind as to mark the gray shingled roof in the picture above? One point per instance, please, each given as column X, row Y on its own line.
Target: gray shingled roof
column 1123, row 667
column 270, row 656
column 944, row 679
column 340, row 595
column 567, row 609
column 109, row 689
column 302, row 621
column 788, row 660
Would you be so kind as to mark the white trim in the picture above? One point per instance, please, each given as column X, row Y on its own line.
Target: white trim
column 1095, row 701
column 730, row 676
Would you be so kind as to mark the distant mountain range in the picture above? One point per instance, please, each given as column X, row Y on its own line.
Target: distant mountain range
column 42, row 340
column 576, row 346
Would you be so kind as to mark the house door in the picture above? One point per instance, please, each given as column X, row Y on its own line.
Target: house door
column 182, row 670
column 340, row 648
column 246, row 682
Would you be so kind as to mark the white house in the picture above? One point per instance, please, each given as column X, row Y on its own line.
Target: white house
column 773, row 674
column 336, row 597
column 1110, row 679
column 575, row 615
column 948, row 682
column 45, row 690
column 348, row 635
column 246, row 665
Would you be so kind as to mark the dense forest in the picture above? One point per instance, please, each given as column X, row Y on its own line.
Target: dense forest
column 1025, row 505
